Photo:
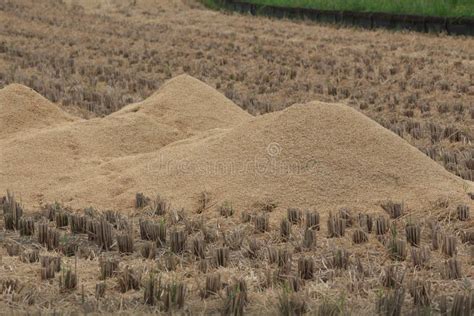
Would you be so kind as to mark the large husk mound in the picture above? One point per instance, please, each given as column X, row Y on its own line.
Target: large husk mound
column 21, row 109
column 188, row 138
column 189, row 105
column 315, row 155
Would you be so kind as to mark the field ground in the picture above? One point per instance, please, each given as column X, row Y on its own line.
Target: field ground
column 160, row 260
column 94, row 57
column 443, row 8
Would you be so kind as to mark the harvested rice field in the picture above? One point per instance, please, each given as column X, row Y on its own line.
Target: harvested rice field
column 160, row 157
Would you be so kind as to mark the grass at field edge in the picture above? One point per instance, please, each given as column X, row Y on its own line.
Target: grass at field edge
column 437, row 8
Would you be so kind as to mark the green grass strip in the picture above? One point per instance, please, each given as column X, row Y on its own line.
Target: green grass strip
column 441, row 8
